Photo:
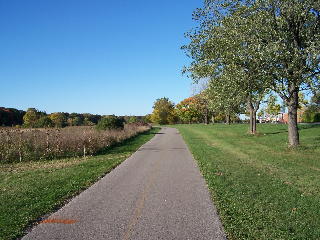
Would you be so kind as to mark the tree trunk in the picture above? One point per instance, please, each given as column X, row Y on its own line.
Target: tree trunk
column 293, row 133
column 228, row 119
column 254, row 122
column 206, row 117
column 253, row 118
column 253, row 106
column 251, row 121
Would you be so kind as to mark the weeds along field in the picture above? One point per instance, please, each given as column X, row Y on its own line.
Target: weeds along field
column 21, row 145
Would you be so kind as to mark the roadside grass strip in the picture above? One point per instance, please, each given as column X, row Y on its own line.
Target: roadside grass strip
column 262, row 189
column 30, row 190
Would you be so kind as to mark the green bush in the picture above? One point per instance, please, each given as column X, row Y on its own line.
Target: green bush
column 306, row 117
column 43, row 122
column 132, row 119
column 311, row 117
column 110, row 122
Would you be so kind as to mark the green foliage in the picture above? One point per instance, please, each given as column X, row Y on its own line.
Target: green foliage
column 14, row 117
column 110, row 122
column 261, row 113
column 132, row 119
column 163, row 112
column 302, row 101
column 224, row 97
column 315, row 99
column 312, row 111
column 31, row 117
column 87, row 122
column 273, row 108
column 310, row 116
column 188, row 111
column 85, row 119
column 59, row 119
column 147, row 118
column 247, row 48
column 90, row 119
column 75, row 121
column 307, row 117
column 223, row 52
column 44, row 122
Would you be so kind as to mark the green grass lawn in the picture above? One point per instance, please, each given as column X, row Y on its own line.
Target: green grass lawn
column 30, row 190
column 262, row 189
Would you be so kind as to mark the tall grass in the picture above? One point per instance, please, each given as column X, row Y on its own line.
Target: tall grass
column 21, row 145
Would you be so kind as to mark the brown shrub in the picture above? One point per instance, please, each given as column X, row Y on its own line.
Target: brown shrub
column 18, row 145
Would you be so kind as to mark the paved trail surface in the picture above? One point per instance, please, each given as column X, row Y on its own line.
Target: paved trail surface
column 157, row 193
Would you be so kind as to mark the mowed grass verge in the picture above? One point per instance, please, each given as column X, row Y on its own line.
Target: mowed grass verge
column 31, row 190
column 262, row 189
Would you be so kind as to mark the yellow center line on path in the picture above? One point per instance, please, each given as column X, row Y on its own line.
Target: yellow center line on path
column 140, row 202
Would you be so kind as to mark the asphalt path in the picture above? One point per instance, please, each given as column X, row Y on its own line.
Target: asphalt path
column 157, row 193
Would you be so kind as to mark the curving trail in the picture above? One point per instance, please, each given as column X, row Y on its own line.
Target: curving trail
column 157, row 193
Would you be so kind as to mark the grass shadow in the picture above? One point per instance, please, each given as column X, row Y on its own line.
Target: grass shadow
column 308, row 126
column 273, row 133
column 300, row 127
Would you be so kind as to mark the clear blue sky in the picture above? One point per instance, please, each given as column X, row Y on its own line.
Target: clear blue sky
column 95, row 56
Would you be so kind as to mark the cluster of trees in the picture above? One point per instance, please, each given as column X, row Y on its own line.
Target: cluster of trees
column 194, row 109
column 198, row 109
column 33, row 118
column 312, row 110
column 163, row 112
column 11, row 116
column 110, row 122
column 247, row 49
column 273, row 107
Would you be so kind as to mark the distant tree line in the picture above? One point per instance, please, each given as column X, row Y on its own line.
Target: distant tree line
column 312, row 109
column 196, row 109
column 34, row 118
column 202, row 108
column 11, row 116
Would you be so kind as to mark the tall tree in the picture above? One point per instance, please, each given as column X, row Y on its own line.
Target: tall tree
column 59, row 119
column 291, row 30
column 31, row 117
column 188, row 110
column 203, row 105
column 163, row 111
column 223, row 50
column 279, row 45
column 224, row 100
